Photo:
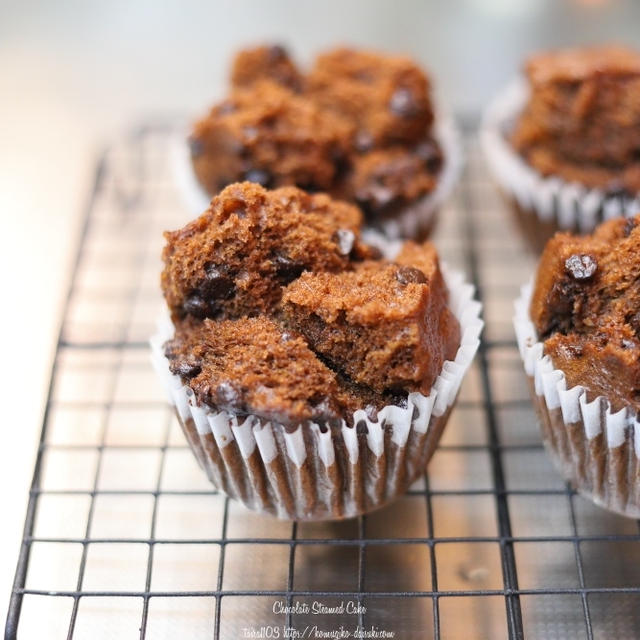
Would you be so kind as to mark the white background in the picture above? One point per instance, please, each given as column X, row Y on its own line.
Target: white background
column 73, row 74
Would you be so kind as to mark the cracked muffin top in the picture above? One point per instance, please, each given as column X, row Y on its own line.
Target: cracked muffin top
column 283, row 312
column 358, row 126
column 586, row 309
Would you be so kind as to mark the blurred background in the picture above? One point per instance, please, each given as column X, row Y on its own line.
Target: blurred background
column 74, row 74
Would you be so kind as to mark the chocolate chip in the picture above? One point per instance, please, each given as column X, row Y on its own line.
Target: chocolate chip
column 196, row 147
column 226, row 107
column 406, row 275
column 629, row 226
column 286, row 268
column 403, row 103
column 217, row 283
column 261, row 176
column 226, row 394
column 363, row 141
column 430, row 153
column 345, row 240
column 276, row 53
column 189, row 367
column 581, row 266
column 195, row 306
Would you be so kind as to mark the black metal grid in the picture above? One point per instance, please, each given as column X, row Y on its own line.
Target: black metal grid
column 124, row 538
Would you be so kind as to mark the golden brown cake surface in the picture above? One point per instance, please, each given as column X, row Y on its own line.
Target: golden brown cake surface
column 582, row 119
column 586, row 309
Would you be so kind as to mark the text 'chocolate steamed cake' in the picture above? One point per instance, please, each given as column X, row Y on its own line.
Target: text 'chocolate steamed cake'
column 582, row 120
column 234, row 259
column 586, row 308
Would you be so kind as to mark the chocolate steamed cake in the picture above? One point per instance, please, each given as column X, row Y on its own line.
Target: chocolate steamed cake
column 233, row 260
column 269, row 135
column 358, row 126
column 586, row 309
column 582, row 120
column 265, row 63
column 282, row 311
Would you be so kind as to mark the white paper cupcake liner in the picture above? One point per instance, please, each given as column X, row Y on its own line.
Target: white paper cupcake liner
column 596, row 448
column 316, row 474
column 569, row 205
column 411, row 222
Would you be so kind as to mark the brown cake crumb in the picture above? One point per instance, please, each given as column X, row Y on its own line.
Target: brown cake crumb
column 582, row 120
column 253, row 366
column 386, row 97
column 234, row 259
column 385, row 180
column 271, row 62
column 384, row 325
column 269, row 135
column 585, row 307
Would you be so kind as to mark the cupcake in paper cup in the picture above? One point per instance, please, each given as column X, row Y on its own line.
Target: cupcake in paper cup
column 578, row 330
column 359, row 125
column 564, row 141
column 311, row 375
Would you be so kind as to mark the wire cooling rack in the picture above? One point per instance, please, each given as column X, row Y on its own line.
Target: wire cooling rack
column 124, row 537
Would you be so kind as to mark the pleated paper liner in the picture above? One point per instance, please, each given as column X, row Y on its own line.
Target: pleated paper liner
column 314, row 473
column 416, row 220
column 542, row 205
column 594, row 447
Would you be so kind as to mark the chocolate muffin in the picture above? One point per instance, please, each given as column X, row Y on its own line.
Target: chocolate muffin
column 582, row 121
column 359, row 126
column 584, row 311
column 565, row 143
column 309, row 373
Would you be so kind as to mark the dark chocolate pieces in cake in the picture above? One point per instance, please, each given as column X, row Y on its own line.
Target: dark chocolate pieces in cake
column 585, row 308
column 235, row 258
column 247, row 366
column 281, row 311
